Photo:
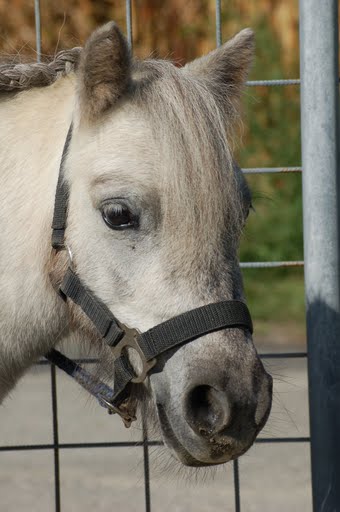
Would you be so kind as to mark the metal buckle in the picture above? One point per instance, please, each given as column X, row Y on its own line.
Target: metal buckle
column 130, row 339
column 126, row 410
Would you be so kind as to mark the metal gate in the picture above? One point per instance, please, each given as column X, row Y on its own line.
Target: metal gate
column 321, row 186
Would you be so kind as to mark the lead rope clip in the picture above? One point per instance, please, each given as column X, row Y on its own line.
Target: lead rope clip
column 126, row 410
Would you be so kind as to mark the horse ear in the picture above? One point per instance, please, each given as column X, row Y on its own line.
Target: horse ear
column 227, row 67
column 104, row 71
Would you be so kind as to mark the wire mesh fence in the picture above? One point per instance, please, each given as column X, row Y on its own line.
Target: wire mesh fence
column 145, row 443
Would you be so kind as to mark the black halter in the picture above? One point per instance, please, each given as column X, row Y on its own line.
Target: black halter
column 150, row 344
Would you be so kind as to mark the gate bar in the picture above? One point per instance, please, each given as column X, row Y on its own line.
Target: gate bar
column 320, row 160
column 128, row 15
column 218, row 20
column 37, row 18
column 55, row 439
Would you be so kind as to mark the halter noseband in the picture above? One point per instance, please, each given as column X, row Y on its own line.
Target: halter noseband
column 149, row 345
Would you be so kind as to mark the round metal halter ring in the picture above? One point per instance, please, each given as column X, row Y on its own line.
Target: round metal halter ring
column 130, row 340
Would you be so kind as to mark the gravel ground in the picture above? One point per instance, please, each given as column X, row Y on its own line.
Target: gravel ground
column 273, row 477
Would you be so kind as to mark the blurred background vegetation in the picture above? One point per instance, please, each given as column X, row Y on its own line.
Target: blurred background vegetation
column 182, row 30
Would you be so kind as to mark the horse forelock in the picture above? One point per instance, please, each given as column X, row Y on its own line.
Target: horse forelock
column 200, row 196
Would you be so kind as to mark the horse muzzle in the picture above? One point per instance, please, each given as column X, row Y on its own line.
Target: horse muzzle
column 212, row 411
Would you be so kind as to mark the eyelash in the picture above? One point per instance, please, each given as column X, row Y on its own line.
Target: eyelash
column 250, row 208
column 118, row 216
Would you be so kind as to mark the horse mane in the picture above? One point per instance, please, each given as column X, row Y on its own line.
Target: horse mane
column 18, row 76
column 194, row 130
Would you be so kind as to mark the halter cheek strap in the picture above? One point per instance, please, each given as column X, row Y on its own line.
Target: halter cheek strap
column 149, row 345
column 61, row 200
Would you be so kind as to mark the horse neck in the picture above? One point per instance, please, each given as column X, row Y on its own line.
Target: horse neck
column 33, row 128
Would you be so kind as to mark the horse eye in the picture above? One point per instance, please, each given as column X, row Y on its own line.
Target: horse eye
column 251, row 208
column 118, row 216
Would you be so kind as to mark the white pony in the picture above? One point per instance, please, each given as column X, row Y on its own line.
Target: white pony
column 156, row 211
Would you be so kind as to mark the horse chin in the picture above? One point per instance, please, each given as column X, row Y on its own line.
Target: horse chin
column 176, row 449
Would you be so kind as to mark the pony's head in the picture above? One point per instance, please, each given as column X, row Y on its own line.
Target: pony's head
column 155, row 217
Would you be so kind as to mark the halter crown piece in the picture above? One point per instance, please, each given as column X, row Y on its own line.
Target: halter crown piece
column 150, row 344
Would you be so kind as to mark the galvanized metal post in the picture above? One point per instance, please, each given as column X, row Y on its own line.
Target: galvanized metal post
column 321, row 181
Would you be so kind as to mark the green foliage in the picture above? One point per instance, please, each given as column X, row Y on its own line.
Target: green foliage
column 274, row 230
column 274, row 297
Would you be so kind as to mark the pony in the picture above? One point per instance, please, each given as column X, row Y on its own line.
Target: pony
column 155, row 215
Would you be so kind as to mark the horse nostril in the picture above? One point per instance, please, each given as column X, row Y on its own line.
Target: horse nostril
column 207, row 410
